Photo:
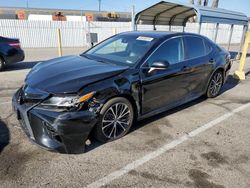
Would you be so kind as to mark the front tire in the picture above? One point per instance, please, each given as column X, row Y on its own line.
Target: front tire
column 215, row 84
column 116, row 119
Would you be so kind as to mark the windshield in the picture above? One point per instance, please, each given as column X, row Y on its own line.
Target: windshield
column 121, row 49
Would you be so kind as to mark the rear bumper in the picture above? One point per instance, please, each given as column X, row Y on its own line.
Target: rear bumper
column 14, row 56
column 227, row 70
column 65, row 132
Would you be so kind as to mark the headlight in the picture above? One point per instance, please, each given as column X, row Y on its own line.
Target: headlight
column 67, row 101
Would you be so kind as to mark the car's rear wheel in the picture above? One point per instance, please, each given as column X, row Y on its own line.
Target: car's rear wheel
column 1, row 64
column 215, row 84
column 116, row 119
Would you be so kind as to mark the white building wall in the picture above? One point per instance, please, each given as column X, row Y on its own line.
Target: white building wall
column 40, row 17
column 76, row 18
column 37, row 33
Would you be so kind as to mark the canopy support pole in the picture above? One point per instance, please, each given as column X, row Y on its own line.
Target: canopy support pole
column 154, row 27
column 136, row 22
column 135, row 27
column 216, row 32
column 230, row 36
column 133, row 23
column 199, row 29
column 242, row 41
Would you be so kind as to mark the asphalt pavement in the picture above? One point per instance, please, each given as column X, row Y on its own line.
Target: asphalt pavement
column 204, row 144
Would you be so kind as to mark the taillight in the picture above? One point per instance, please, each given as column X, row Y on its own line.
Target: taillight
column 15, row 44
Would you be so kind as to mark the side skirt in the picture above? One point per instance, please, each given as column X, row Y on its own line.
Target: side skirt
column 169, row 107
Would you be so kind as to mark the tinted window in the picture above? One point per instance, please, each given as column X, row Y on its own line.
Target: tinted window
column 194, row 47
column 171, row 51
column 121, row 49
column 218, row 48
column 208, row 47
column 116, row 46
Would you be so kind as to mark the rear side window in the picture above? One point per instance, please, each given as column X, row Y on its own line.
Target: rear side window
column 208, row 47
column 194, row 47
column 218, row 48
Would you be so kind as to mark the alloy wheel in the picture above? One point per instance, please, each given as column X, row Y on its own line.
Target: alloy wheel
column 216, row 84
column 116, row 120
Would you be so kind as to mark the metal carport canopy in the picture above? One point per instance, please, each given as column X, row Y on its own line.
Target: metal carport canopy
column 177, row 14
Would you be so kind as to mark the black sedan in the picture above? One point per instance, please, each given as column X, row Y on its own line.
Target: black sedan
column 103, row 91
column 10, row 51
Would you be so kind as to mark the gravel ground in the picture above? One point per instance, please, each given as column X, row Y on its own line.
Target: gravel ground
column 216, row 158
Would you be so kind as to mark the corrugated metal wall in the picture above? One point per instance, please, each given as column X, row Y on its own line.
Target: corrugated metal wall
column 37, row 34
column 207, row 30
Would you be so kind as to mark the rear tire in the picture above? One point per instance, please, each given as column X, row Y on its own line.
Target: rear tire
column 116, row 119
column 215, row 84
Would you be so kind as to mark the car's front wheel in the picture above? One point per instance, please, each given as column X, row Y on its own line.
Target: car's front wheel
column 116, row 119
column 215, row 84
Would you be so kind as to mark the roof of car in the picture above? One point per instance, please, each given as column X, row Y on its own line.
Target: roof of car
column 157, row 34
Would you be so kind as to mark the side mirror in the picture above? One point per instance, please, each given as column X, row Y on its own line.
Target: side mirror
column 160, row 65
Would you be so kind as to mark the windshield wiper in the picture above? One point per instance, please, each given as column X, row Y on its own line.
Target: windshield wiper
column 96, row 59
column 102, row 61
column 84, row 55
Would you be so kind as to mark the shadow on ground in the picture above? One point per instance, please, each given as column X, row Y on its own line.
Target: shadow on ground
column 20, row 66
column 230, row 84
column 4, row 135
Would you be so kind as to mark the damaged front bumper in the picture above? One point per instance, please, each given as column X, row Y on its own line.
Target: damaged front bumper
column 65, row 132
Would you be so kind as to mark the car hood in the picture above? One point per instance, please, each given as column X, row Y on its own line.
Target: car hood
column 70, row 74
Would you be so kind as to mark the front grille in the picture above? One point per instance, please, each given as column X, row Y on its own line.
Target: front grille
column 24, row 126
column 43, row 128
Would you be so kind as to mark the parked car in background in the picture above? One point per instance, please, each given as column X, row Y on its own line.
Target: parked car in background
column 125, row 78
column 10, row 51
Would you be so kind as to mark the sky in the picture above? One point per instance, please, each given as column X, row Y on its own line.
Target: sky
column 115, row 5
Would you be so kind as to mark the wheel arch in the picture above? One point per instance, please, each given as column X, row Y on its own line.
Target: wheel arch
column 221, row 69
column 2, row 57
column 215, row 70
column 95, row 131
column 133, row 102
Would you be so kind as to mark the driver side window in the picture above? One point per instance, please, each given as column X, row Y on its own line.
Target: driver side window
column 170, row 51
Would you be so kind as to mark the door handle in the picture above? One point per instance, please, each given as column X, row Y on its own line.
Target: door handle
column 211, row 61
column 185, row 68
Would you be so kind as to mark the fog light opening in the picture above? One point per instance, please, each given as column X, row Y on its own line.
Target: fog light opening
column 58, row 138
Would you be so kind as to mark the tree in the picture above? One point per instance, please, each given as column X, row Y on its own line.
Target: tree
column 215, row 4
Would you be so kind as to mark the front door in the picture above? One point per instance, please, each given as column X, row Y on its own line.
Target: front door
column 168, row 87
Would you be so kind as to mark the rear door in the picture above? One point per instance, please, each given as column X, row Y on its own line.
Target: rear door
column 199, row 64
